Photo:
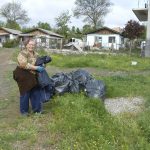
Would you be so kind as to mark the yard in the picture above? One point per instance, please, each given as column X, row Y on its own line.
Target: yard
column 74, row 121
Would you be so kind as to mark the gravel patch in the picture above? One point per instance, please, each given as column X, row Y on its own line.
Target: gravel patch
column 124, row 105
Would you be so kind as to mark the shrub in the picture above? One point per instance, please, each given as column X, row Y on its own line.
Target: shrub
column 11, row 43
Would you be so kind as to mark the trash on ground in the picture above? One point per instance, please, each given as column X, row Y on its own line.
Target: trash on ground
column 133, row 63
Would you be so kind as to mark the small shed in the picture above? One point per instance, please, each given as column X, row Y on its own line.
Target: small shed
column 8, row 34
column 44, row 38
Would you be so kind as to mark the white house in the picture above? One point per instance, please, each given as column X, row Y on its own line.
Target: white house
column 6, row 33
column 105, row 38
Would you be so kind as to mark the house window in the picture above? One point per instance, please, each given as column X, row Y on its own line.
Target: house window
column 7, row 37
column 111, row 39
column 98, row 39
column 43, row 40
column 72, row 40
column 122, row 40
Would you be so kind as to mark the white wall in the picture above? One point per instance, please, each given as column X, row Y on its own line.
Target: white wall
column 3, row 39
column 105, row 44
column 90, row 39
column 11, row 36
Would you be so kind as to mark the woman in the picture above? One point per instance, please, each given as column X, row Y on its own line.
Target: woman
column 25, row 75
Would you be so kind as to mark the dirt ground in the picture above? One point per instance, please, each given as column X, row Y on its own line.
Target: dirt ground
column 6, row 65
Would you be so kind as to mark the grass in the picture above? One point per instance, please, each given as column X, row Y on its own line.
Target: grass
column 76, row 122
column 84, row 123
column 127, row 85
column 101, row 62
column 118, row 62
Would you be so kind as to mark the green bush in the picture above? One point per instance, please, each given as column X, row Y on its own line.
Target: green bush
column 11, row 43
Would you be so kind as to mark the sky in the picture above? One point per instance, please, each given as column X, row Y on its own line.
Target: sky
column 47, row 10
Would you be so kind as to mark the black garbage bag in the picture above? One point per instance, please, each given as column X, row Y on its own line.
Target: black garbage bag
column 61, row 83
column 47, row 93
column 74, row 87
column 43, row 79
column 43, row 60
column 81, row 76
column 96, row 89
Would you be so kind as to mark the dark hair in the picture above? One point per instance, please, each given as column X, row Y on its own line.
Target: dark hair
column 25, row 42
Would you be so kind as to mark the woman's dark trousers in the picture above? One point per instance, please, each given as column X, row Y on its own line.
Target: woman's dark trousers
column 34, row 95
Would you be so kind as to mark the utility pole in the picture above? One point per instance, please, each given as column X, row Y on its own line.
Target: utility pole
column 147, row 49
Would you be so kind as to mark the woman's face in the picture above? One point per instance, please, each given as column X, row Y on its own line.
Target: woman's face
column 30, row 46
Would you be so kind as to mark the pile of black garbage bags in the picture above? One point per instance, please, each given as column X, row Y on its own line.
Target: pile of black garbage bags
column 73, row 82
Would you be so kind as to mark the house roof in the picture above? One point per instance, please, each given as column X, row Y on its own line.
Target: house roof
column 1, row 34
column 46, row 32
column 141, row 13
column 12, row 31
column 120, row 30
column 26, row 34
column 104, row 28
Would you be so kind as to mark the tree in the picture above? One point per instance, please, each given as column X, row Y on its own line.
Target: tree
column 62, row 23
column 73, row 29
column 143, row 34
column 2, row 24
column 86, row 29
column 26, row 29
column 10, row 24
column 133, row 30
column 44, row 25
column 13, row 25
column 72, row 32
column 75, row 33
column 14, row 13
column 78, row 33
column 92, row 10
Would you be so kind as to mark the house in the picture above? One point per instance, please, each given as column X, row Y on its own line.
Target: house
column 44, row 38
column 8, row 34
column 105, row 38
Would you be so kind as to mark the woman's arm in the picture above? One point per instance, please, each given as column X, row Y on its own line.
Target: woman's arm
column 23, row 63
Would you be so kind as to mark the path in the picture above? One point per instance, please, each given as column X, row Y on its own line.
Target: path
column 6, row 65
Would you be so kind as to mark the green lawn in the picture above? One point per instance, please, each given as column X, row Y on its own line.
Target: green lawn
column 109, row 62
column 76, row 122
column 119, row 62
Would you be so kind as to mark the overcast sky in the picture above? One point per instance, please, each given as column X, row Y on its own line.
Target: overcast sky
column 47, row 10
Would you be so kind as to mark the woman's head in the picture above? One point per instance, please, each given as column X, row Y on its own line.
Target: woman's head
column 30, row 45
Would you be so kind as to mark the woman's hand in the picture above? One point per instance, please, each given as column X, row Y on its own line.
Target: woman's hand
column 40, row 69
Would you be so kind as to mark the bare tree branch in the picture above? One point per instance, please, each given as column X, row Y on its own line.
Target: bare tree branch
column 14, row 12
column 92, row 10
